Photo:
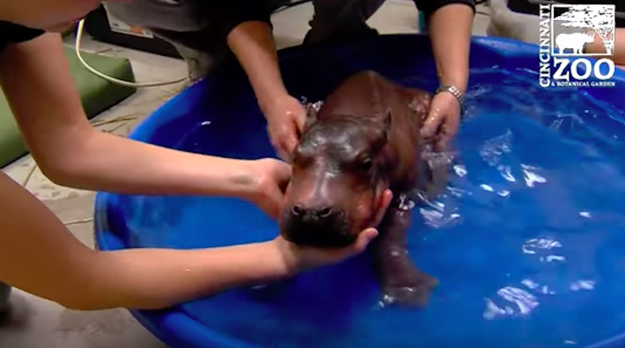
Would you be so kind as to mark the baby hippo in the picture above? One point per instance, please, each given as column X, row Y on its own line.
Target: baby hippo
column 362, row 145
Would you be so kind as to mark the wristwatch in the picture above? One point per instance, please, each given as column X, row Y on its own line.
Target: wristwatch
column 455, row 91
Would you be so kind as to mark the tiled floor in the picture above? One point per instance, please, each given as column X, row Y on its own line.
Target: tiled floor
column 39, row 323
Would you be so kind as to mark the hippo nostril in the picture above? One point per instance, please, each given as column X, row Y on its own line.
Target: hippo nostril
column 325, row 212
column 297, row 210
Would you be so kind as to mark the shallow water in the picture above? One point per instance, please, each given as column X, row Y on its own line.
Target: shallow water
column 526, row 242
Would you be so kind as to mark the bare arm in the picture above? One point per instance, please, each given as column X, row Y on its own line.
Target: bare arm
column 450, row 32
column 37, row 83
column 252, row 42
column 39, row 255
column 618, row 55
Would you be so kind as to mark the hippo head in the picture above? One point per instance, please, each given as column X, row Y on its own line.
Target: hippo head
column 339, row 184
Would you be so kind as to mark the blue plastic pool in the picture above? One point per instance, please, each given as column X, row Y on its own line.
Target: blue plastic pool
column 527, row 241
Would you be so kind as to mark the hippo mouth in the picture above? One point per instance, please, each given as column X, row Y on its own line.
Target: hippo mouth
column 335, row 232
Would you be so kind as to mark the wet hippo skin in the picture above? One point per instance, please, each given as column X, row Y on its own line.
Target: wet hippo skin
column 363, row 141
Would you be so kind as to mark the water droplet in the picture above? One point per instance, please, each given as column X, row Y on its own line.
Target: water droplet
column 583, row 285
column 531, row 177
column 487, row 188
column 460, row 170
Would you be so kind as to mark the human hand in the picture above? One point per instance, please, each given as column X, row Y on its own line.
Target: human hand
column 286, row 117
column 271, row 178
column 301, row 258
column 443, row 119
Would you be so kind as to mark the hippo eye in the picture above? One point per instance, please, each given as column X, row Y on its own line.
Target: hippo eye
column 365, row 164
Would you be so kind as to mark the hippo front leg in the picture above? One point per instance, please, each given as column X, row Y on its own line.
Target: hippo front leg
column 401, row 282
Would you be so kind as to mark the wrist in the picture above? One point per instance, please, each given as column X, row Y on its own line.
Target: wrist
column 459, row 79
column 253, row 180
column 249, row 180
column 283, row 256
column 455, row 92
column 239, row 179
column 269, row 98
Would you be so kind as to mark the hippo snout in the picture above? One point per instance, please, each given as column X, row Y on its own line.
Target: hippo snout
column 316, row 226
column 300, row 211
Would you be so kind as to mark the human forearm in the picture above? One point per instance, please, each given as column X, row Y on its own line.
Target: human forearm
column 93, row 160
column 618, row 53
column 450, row 33
column 252, row 42
column 159, row 278
column 72, row 153
column 39, row 255
column 619, row 47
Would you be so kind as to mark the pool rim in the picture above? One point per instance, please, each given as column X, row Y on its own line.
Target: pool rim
column 167, row 324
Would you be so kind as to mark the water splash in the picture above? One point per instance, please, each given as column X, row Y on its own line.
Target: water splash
column 514, row 302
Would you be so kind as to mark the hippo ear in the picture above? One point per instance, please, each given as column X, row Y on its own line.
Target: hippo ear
column 311, row 116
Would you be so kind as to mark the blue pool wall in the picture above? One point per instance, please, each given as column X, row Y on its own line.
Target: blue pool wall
column 303, row 68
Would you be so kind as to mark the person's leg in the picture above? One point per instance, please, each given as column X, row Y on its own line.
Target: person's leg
column 198, row 62
column 338, row 20
column 181, row 23
column 516, row 25
column 174, row 15
column 508, row 24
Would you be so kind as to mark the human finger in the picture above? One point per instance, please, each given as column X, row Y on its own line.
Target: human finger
column 289, row 142
column 387, row 196
column 280, row 150
column 271, row 205
column 432, row 122
column 364, row 238
column 283, row 176
column 445, row 137
column 450, row 129
column 299, row 118
column 331, row 256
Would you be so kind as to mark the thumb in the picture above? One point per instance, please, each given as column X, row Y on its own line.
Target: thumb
column 272, row 205
column 283, row 177
column 289, row 143
column 300, row 120
column 282, row 149
column 432, row 122
column 282, row 153
column 290, row 137
column 283, row 173
column 364, row 238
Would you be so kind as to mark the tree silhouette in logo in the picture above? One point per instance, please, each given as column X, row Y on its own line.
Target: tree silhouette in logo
column 599, row 18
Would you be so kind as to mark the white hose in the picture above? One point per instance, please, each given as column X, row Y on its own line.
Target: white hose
column 81, row 26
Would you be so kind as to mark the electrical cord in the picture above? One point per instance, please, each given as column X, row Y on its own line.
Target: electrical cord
column 81, row 27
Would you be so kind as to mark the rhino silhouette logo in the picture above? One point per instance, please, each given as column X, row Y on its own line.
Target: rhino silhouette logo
column 574, row 41
column 596, row 23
